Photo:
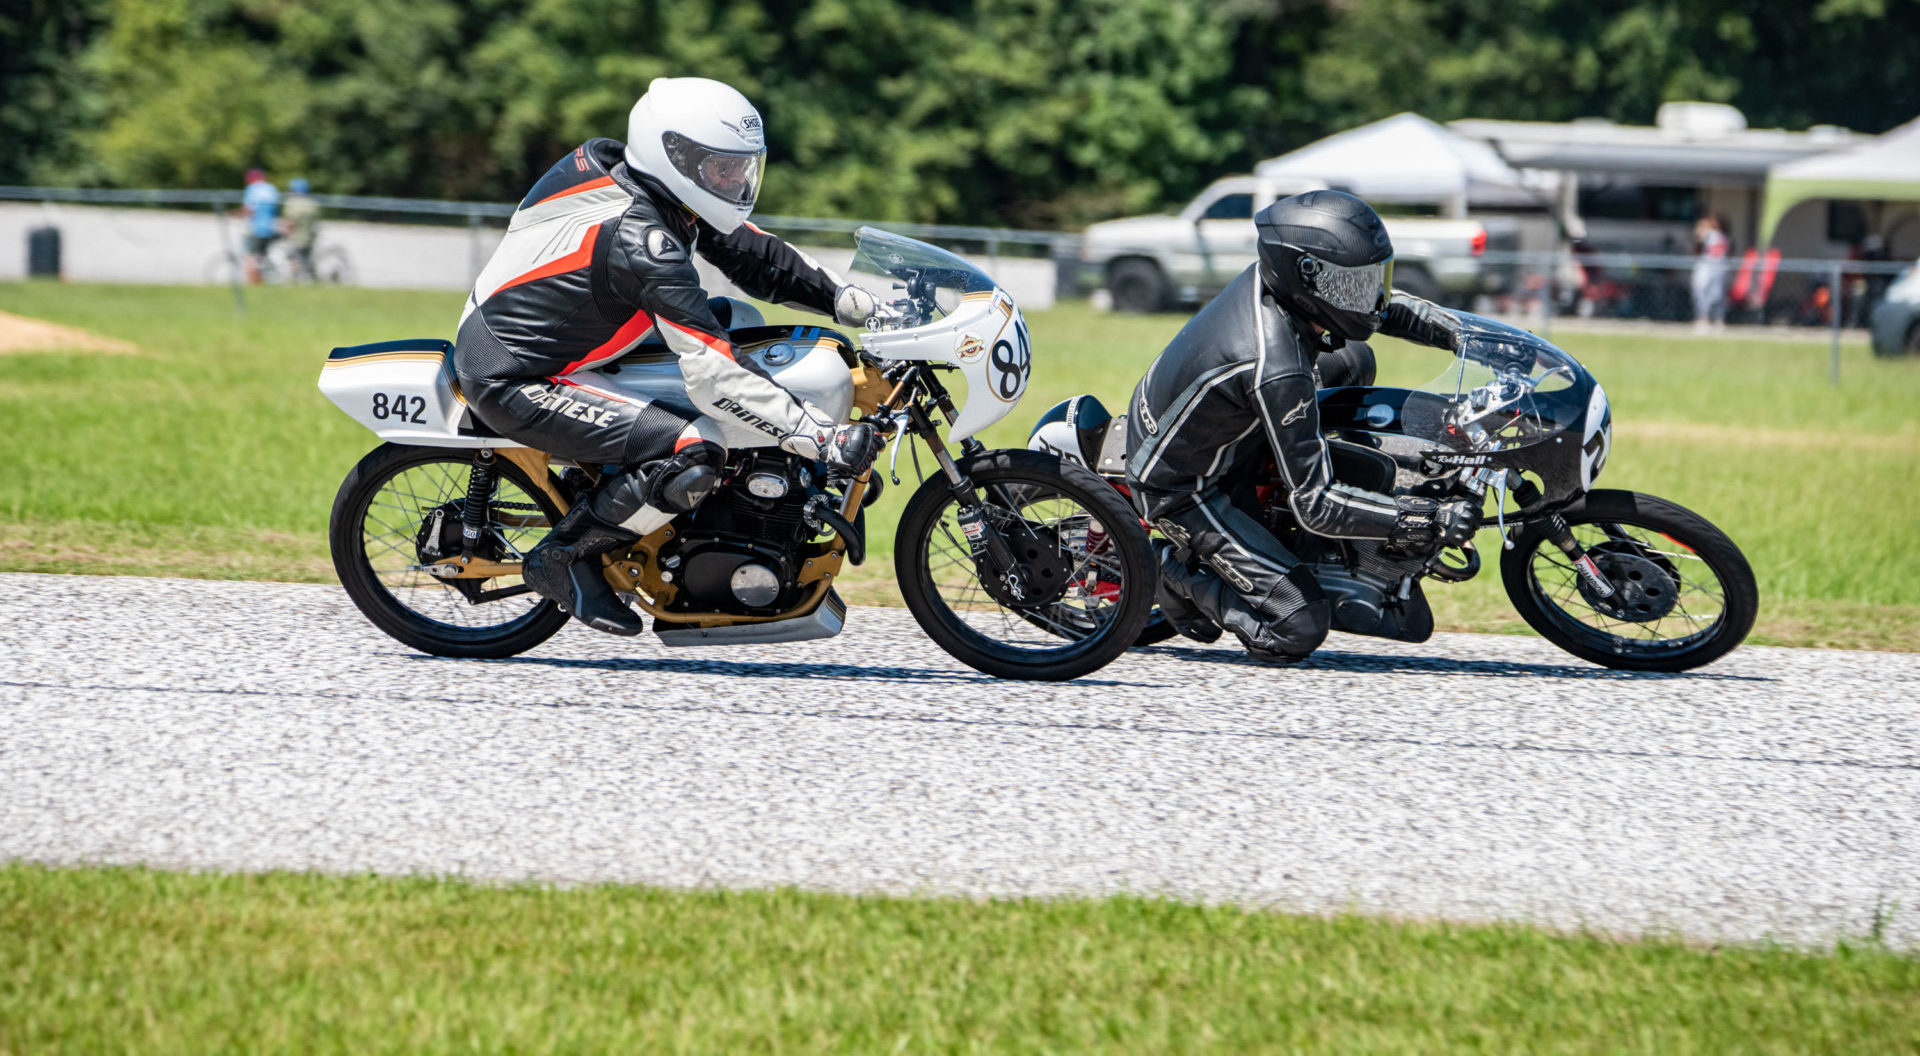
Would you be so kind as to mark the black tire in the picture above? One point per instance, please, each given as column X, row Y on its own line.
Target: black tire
column 1138, row 286
column 1911, row 346
column 331, row 267
column 1035, row 477
column 1706, row 550
column 524, row 621
column 1417, row 282
column 1157, row 630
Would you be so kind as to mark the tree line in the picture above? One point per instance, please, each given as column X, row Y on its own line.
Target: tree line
column 1037, row 113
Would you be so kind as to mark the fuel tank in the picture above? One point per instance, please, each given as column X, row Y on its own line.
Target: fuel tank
column 807, row 361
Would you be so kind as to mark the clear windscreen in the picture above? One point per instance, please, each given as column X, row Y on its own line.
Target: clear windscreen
column 924, row 282
column 1506, row 388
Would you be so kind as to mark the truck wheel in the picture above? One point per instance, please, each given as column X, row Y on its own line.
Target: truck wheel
column 1137, row 286
column 1417, row 282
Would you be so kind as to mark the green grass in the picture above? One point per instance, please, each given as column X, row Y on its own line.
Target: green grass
column 110, row 960
column 214, row 454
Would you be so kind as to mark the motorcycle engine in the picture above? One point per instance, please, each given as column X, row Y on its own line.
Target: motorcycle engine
column 738, row 551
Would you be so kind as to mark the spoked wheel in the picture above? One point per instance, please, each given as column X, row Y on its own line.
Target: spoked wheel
column 400, row 511
column 1085, row 576
column 1684, row 594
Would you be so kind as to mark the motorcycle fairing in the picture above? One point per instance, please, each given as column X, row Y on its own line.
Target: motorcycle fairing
column 974, row 325
column 1509, row 400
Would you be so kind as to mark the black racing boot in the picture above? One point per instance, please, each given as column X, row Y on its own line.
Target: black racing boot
column 1176, row 606
column 566, row 568
column 1267, row 656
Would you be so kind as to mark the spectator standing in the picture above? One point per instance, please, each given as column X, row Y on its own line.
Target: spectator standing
column 302, row 224
column 1711, row 247
column 260, row 204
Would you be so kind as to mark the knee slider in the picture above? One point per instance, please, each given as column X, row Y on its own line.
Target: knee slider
column 682, row 482
column 1296, row 614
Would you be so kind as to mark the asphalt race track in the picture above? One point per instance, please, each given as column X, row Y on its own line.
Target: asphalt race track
column 266, row 726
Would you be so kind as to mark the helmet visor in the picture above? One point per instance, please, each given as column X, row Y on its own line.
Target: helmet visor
column 1362, row 288
column 728, row 175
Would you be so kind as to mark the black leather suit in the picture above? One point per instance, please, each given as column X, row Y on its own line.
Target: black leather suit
column 598, row 260
column 1236, row 385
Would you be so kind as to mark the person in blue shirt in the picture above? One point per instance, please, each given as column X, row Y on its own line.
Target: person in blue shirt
column 261, row 206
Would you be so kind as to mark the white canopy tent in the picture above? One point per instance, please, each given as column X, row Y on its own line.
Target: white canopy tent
column 1408, row 159
column 1884, row 169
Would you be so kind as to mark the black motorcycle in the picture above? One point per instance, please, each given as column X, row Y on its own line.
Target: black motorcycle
column 1623, row 579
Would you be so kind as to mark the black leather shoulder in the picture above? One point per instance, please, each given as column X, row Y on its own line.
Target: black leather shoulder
column 590, row 162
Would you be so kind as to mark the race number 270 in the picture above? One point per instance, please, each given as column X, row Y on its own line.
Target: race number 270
column 406, row 408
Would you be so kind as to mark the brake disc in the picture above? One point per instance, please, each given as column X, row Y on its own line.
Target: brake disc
column 1039, row 575
column 1646, row 585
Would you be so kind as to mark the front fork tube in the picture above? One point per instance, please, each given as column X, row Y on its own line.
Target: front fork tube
column 983, row 539
column 1557, row 532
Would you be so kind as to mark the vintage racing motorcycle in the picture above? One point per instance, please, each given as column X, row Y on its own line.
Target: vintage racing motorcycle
column 1019, row 564
column 1616, row 577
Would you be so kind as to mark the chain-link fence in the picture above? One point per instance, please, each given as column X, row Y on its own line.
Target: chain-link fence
column 1753, row 288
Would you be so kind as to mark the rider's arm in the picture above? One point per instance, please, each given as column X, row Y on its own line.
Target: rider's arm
column 1420, row 321
column 768, row 268
column 649, row 271
column 1291, row 417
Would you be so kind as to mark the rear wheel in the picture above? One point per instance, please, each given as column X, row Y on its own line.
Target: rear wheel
column 399, row 511
column 1684, row 594
column 1086, row 572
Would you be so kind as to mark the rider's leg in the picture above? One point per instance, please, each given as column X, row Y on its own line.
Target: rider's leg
column 1176, row 605
column 659, row 461
column 1233, row 571
column 256, row 255
column 567, row 565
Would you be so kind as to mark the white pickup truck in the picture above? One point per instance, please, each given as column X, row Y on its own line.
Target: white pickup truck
column 1149, row 263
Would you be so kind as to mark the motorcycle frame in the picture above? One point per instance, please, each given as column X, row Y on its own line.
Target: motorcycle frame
column 637, row 571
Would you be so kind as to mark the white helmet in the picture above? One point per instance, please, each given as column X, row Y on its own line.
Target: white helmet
column 703, row 140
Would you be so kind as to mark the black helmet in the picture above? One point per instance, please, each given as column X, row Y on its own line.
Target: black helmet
column 1326, row 257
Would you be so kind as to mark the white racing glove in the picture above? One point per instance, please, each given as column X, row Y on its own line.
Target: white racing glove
column 854, row 306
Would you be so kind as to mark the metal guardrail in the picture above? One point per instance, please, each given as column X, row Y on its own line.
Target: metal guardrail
column 1814, row 293
column 992, row 237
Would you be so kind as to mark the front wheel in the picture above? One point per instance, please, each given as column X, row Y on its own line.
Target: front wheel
column 1684, row 594
column 1084, row 569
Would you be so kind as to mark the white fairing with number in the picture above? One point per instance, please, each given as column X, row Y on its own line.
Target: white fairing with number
column 986, row 338
column 1597, row 442
column 405, row 397
column 411, row 397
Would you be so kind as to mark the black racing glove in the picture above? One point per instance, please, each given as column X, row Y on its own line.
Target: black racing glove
column 851, row 448
column 1425, row 526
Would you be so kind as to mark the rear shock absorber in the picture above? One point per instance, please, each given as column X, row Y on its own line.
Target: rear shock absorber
column 473, row 512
